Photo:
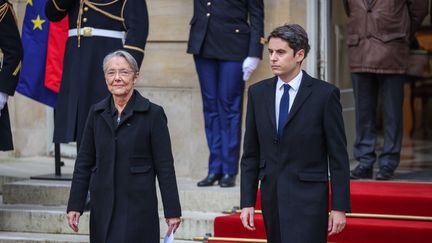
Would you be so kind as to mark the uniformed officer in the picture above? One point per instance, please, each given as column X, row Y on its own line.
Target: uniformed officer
column 96, row 28
column 10, row 65
column 226, row 39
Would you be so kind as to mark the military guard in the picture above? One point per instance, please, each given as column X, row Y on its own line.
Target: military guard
column 10, row 65
column 226, row 39
column 96, row 28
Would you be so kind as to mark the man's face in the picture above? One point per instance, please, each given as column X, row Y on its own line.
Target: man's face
column 119, row 77
column 283, row 62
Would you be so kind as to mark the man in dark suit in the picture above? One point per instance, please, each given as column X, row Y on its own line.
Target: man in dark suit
column 294, row 138
column 10, row 65
column 226, row 39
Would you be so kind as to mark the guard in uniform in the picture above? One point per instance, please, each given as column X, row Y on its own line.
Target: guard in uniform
column 226, row 39
column 96, row 28
column 10, row 65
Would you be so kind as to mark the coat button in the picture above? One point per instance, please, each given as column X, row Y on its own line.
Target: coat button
column 208, row 14
column 86, row 9
column 275, row 141
column 237, row 30
column 208, row 3
column 84, row 20
column 369, row 11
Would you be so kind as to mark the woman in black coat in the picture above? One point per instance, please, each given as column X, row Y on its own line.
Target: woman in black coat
column 125, row 146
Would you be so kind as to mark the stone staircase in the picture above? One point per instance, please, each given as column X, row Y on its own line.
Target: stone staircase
column 34, row 211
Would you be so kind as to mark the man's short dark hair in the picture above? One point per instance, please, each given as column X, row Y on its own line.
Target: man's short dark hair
column 294, row 34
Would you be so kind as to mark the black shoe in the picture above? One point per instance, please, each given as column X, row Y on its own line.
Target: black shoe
column 209, row 180
column 361, row 172
column 227, row 181
column 384, row 174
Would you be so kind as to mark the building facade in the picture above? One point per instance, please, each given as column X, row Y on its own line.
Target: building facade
column 168, row 76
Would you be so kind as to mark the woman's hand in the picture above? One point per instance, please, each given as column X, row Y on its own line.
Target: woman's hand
column 73, row 220
column 173, row 224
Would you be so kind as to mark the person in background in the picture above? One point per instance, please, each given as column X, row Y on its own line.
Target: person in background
column 10, row 65
column 379, row 35
column 95, row 29
column 294, row 139
column 226, row 40
column 125, row 147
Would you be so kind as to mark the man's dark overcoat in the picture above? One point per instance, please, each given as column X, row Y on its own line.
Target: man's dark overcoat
column 10, row 44
column 293, row 170
column 119, row 166
column 83, row 82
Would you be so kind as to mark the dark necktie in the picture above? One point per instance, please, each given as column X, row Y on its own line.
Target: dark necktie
column 283, row 109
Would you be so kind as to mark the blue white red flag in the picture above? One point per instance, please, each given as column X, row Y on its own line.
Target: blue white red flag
column 35, row 41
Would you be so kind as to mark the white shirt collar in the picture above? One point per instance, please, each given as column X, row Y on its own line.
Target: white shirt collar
column 294, row 83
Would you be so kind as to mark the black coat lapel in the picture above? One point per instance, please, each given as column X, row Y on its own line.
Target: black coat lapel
column 270, row 101
column 106, row 115
column 104, row 108
column 303, row 93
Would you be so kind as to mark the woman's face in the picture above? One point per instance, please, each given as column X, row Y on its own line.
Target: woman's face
column 119, row 77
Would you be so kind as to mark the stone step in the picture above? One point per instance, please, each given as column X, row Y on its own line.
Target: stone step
column 50, row 219
column 56, row 193
column 7, row 179
column 20, row 237
column 13, row 169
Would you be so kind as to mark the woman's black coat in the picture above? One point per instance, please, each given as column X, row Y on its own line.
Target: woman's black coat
column 120, row 165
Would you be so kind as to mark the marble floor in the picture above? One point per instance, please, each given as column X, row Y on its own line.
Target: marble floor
column 416, row 160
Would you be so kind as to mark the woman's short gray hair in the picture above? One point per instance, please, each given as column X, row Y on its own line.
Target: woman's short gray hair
column 120, row 53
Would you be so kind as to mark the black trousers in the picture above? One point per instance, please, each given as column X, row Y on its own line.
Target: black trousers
column 367, row 88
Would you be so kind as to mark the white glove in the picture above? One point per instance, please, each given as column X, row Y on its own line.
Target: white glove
column 3, row 100
column 249, row 66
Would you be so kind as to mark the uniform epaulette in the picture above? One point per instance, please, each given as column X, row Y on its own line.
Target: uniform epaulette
column 103, row 4
column 17, row 69
column 3, row 10
column 134, row 48
column 94, row 6
column 1, row 60
column 121, row 13
column 57, row 6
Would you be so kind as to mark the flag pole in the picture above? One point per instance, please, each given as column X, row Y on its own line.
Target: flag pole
column 57, row 176
column 57, row 160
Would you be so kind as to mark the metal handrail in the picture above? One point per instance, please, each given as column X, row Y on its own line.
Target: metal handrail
column 361, row 215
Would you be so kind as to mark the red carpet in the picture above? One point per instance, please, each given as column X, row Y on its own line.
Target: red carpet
column 382, row 231
column 231, row 226
column 388, row 198
column 393, row 198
